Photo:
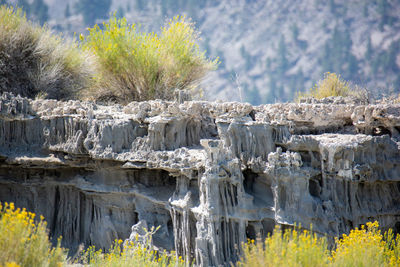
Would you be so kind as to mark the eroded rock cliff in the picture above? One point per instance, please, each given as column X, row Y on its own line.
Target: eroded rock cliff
column 210, row 174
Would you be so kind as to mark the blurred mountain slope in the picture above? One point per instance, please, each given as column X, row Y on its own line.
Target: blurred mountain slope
column 272, row 49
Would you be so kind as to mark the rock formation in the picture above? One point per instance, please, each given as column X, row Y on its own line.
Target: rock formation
column 210, row 174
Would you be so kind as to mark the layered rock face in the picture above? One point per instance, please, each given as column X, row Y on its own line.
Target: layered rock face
column 210, row 174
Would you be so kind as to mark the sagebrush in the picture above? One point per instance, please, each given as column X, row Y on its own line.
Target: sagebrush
column 34, row 61
column 136, row 66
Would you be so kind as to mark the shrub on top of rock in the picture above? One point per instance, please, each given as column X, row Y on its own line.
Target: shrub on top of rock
column 332, row 86
column 33, row 61
column 136, row 66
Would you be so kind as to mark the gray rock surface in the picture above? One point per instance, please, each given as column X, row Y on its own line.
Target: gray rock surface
column 209, row 174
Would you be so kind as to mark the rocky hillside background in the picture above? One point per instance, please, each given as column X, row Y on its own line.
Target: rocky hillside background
column 269, row 50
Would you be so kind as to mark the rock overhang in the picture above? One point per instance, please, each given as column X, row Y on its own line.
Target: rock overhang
column 211, row 174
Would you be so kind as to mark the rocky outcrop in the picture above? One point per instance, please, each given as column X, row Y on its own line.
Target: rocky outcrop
column 209, row 174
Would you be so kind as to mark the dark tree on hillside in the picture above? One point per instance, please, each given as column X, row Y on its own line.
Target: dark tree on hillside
column 120, row 12
column 337, row 56
column 368, row 53
column 25, row 6
column 252, row 95
column 140, row 4
column 40, row 10
column 67, row 12
column 283, row 62
column 383, row 7
column 273, row 89
column 332, row 6
column 295, row 32
column 389, row 61
column 92, row 10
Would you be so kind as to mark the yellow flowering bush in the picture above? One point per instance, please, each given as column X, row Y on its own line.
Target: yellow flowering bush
column 367, row 247
column 129, row 254
column 291, row 248
column 134, row 65
column 331, row 85
column 24, row 241
column 361, row 247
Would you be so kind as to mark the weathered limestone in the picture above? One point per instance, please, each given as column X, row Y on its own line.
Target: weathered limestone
column 210, row 175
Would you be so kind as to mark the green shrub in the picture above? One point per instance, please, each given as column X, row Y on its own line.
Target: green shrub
column 24, row 242
column 134, row 65
column 34, row 61
column 331, row 85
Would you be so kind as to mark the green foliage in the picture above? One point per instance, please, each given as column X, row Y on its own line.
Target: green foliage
column 369, row 52
column 331, row 85
column 67, row 12
column 140, row 4
column 120, row 12
column 189, row 7
column 283, row 62
column 24, row 242
column 365, row 10
column 386, row 60
column 247, row 57
column 34, row 61
column 337, row 56
column 134, row 65
column 40, row 9
column 295, row 32
column 382, row 9
column 92, row 10
column 24, row 5
column 332, row 6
